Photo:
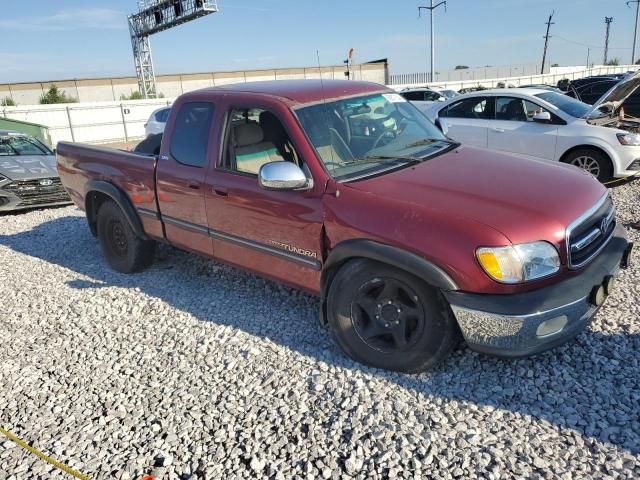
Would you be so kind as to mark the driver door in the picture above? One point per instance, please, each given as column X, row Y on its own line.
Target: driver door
column 274, row 233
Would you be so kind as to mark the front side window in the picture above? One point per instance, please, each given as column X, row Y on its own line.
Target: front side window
column 12, row 145
column 475, row 107
column 365, row 135
column 432, row 96
column 517, row 109
column 191, row 133
column 256, row 137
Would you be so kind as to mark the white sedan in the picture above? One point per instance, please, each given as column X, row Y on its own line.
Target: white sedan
column 157, row 121
column 548, row 125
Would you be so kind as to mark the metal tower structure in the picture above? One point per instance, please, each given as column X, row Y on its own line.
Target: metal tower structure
column 155, row 16
column 608, row 21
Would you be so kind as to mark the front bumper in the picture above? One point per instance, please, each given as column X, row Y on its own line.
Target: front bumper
column 33, row 193
column 517, row 325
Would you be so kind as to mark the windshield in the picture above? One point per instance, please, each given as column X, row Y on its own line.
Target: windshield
column 22, row 145
column 362, row 136
column 568, row 105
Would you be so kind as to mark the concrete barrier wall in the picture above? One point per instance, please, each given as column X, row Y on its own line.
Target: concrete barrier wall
column 98, row 122
column 111, row 89
column 549, row 78
column 117, row 121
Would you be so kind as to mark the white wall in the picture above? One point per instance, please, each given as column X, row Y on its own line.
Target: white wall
column 96, row 122
column 549, row 78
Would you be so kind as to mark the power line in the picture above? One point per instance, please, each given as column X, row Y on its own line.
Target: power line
column 431, row 9
column 608, row 21
column 546, row 41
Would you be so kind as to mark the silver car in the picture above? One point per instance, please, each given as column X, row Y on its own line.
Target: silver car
column 28, row 175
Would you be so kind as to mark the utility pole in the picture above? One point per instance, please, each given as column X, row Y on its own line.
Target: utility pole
column 546, row 41
column 588, row 53
column 608, row 21
column 635, row 30
column 431, row 9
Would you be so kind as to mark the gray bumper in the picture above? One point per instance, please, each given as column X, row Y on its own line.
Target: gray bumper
column 23, row 194
column 528, row 323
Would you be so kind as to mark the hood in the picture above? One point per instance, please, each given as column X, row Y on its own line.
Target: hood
column 524, row 199
column 25, row 167
column 615, row 97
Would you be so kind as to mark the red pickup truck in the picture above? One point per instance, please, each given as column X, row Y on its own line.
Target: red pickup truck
column 347, row 191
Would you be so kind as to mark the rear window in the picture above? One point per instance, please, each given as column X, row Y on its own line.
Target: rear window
column 191, row 133
column 162, row 115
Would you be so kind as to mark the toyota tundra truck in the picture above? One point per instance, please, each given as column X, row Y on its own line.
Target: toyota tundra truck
column 345, row 190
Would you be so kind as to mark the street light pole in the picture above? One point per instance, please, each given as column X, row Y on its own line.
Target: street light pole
column 433, row 50
column 635, row 30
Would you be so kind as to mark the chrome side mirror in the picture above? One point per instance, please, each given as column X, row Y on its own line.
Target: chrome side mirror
column 542, row 117
column 283, row 176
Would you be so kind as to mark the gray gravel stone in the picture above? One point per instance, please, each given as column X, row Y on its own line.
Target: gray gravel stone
column 196, row 370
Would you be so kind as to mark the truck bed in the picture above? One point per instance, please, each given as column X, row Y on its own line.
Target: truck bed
column 132, row 173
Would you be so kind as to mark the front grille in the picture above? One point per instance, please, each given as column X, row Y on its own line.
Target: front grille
column 37, row 192
column 588, row 235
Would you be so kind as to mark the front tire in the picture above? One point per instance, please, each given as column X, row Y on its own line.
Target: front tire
column 123, row 249
column 592, row 161
column 387, row 318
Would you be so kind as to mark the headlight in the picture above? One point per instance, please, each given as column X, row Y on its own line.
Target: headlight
column 519, row 263
column 631, row 139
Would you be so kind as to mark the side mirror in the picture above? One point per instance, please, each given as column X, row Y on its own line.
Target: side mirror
column 283, row 176
column 542, row 117
column 442, row 125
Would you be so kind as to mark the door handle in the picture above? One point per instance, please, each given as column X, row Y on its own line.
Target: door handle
column 499, row 130
column 220, row 191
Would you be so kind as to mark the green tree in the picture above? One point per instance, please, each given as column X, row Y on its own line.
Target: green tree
column 55, row 95
column 613, row 61
column 132, row 96
column 7, row 102
column 461, row 67
column 555, row 65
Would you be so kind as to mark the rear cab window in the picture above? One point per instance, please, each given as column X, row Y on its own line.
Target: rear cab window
column 190, row 136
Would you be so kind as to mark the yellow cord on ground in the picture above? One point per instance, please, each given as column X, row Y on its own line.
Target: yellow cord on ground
column 44, row 457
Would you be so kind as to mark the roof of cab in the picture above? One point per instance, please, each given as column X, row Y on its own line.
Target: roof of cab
column 304, row 91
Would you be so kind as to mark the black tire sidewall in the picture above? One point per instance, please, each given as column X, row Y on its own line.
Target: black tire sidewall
column 439, row 336
column 126, row 263
column 606, row 168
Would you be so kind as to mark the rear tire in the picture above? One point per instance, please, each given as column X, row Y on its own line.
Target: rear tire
column 387, row 318
column 123, row 249
column 592, row 161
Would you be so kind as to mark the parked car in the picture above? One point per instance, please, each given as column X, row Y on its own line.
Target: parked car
column 28, row 176
column 157, row 121
column 550, row 126
column 345, row 190
column 423, row 97
column 591, row 89
column 541, row 86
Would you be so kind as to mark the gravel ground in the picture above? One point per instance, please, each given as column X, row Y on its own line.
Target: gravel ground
column 195, row 370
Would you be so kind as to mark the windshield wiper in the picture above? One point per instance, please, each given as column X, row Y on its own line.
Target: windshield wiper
column 426, row 141
column 385, row 159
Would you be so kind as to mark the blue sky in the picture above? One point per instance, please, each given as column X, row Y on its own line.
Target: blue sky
column 44, row 39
